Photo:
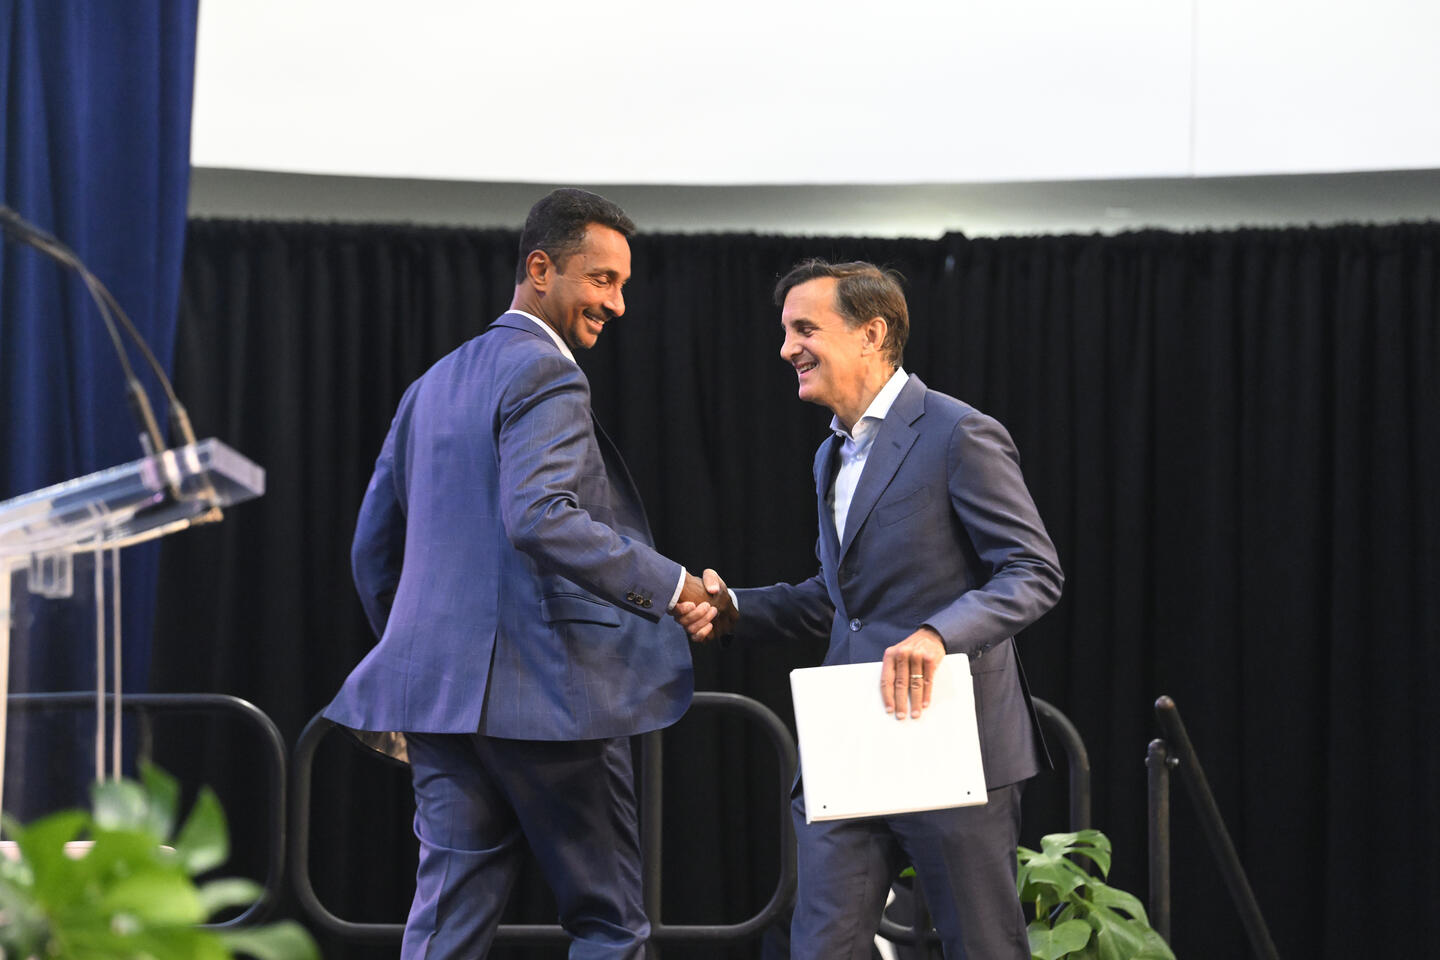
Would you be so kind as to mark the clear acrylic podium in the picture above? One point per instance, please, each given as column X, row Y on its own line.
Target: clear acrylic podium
column 89, row 519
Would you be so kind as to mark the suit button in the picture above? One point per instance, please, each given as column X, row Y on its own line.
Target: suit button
column 855, row 624
column 646, row 602
column 631, row 598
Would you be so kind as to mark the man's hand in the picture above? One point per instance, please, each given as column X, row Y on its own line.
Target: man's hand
column 909, row 672
column 704, row 608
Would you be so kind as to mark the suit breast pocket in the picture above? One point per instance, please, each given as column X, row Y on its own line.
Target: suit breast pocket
column 905, row 505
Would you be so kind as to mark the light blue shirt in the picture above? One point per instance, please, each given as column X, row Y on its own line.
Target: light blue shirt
column 855, row 447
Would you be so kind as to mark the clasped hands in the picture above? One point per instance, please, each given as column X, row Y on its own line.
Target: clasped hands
column 907, row 677
column 704, row 608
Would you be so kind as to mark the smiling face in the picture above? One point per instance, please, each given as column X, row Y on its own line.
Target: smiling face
column 837, row 365
column 578, row 299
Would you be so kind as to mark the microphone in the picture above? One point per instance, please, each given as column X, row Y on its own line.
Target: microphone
column 17, row 228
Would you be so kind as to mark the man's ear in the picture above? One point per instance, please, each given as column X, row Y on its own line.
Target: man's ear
column 539, row 268
column 876, row 330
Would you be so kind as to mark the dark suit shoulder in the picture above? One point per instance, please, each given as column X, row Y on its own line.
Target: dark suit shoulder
column 516, row 357
column 969, row 430
column 945, row 407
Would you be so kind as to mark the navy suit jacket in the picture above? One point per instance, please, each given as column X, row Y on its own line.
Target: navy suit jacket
column 503, row 558
column 941, row 532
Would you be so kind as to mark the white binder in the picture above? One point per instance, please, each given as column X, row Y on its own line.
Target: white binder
column 856, row 760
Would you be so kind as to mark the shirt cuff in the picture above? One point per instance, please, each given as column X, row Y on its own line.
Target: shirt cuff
column 675, row 597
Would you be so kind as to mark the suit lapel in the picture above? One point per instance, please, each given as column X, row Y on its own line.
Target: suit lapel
column 826, row 460
column 891, row 445
column 625, row 495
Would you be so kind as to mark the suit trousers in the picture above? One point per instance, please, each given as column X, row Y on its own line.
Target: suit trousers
column 479, row 801
column 964, row 858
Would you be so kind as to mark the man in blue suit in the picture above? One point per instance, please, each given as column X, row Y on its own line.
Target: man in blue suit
column 503, row 558
column 930, row 545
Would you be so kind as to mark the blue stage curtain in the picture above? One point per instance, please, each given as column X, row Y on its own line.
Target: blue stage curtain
column 95, row 100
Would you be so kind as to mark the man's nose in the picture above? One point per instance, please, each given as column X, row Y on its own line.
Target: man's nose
column 615, row 303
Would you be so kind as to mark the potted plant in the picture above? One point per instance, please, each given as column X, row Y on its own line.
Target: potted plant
column 1078, row 915
column 118, row 883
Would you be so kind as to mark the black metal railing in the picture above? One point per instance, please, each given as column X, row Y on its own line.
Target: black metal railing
column 651, row 802
column 291, row 822
column 1174, row 751
column 142, row 704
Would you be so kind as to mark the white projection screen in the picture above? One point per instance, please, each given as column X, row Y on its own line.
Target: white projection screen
column 770, row 91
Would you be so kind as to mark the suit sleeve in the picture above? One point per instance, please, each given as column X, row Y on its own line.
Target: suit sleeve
column 379, row 546
column 785, row 611
column 545, row 439
column 988, row 494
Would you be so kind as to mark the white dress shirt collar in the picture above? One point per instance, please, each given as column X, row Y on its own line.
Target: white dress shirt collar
column 879, row 407
column 564, row 347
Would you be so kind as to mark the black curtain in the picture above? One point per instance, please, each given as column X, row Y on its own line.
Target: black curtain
column 1233, row 438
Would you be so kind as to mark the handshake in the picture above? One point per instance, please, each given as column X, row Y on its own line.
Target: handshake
column 704, row 608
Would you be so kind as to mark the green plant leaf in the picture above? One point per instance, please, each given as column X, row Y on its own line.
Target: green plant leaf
column 155, row 898
column 122, row 805
column 24, row 930
column 128, row 896
column 118, row 854
column 163, row 792
column 43, row 842
column 1092, row 844
column 286, row 940
column 230, row 892
column 1118, row 941
column 1107, row 896
column 203, row 842
column 165, row 943
column 42, row 850
column 1047, row 943
column 1113, row 921
column 1049, row 878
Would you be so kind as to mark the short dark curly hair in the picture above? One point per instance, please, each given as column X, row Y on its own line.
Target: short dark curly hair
column 556, row 224
column 862, row 291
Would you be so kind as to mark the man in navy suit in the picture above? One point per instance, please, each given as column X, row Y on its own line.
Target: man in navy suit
column 930, row 545
column 503, row 558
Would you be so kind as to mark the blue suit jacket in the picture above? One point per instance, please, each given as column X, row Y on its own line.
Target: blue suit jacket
column 941, row 532
column 504, row 560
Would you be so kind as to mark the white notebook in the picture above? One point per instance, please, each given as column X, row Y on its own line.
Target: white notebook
column 856, row 760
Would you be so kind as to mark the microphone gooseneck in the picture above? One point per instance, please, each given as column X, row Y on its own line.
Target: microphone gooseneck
column 152, row 442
